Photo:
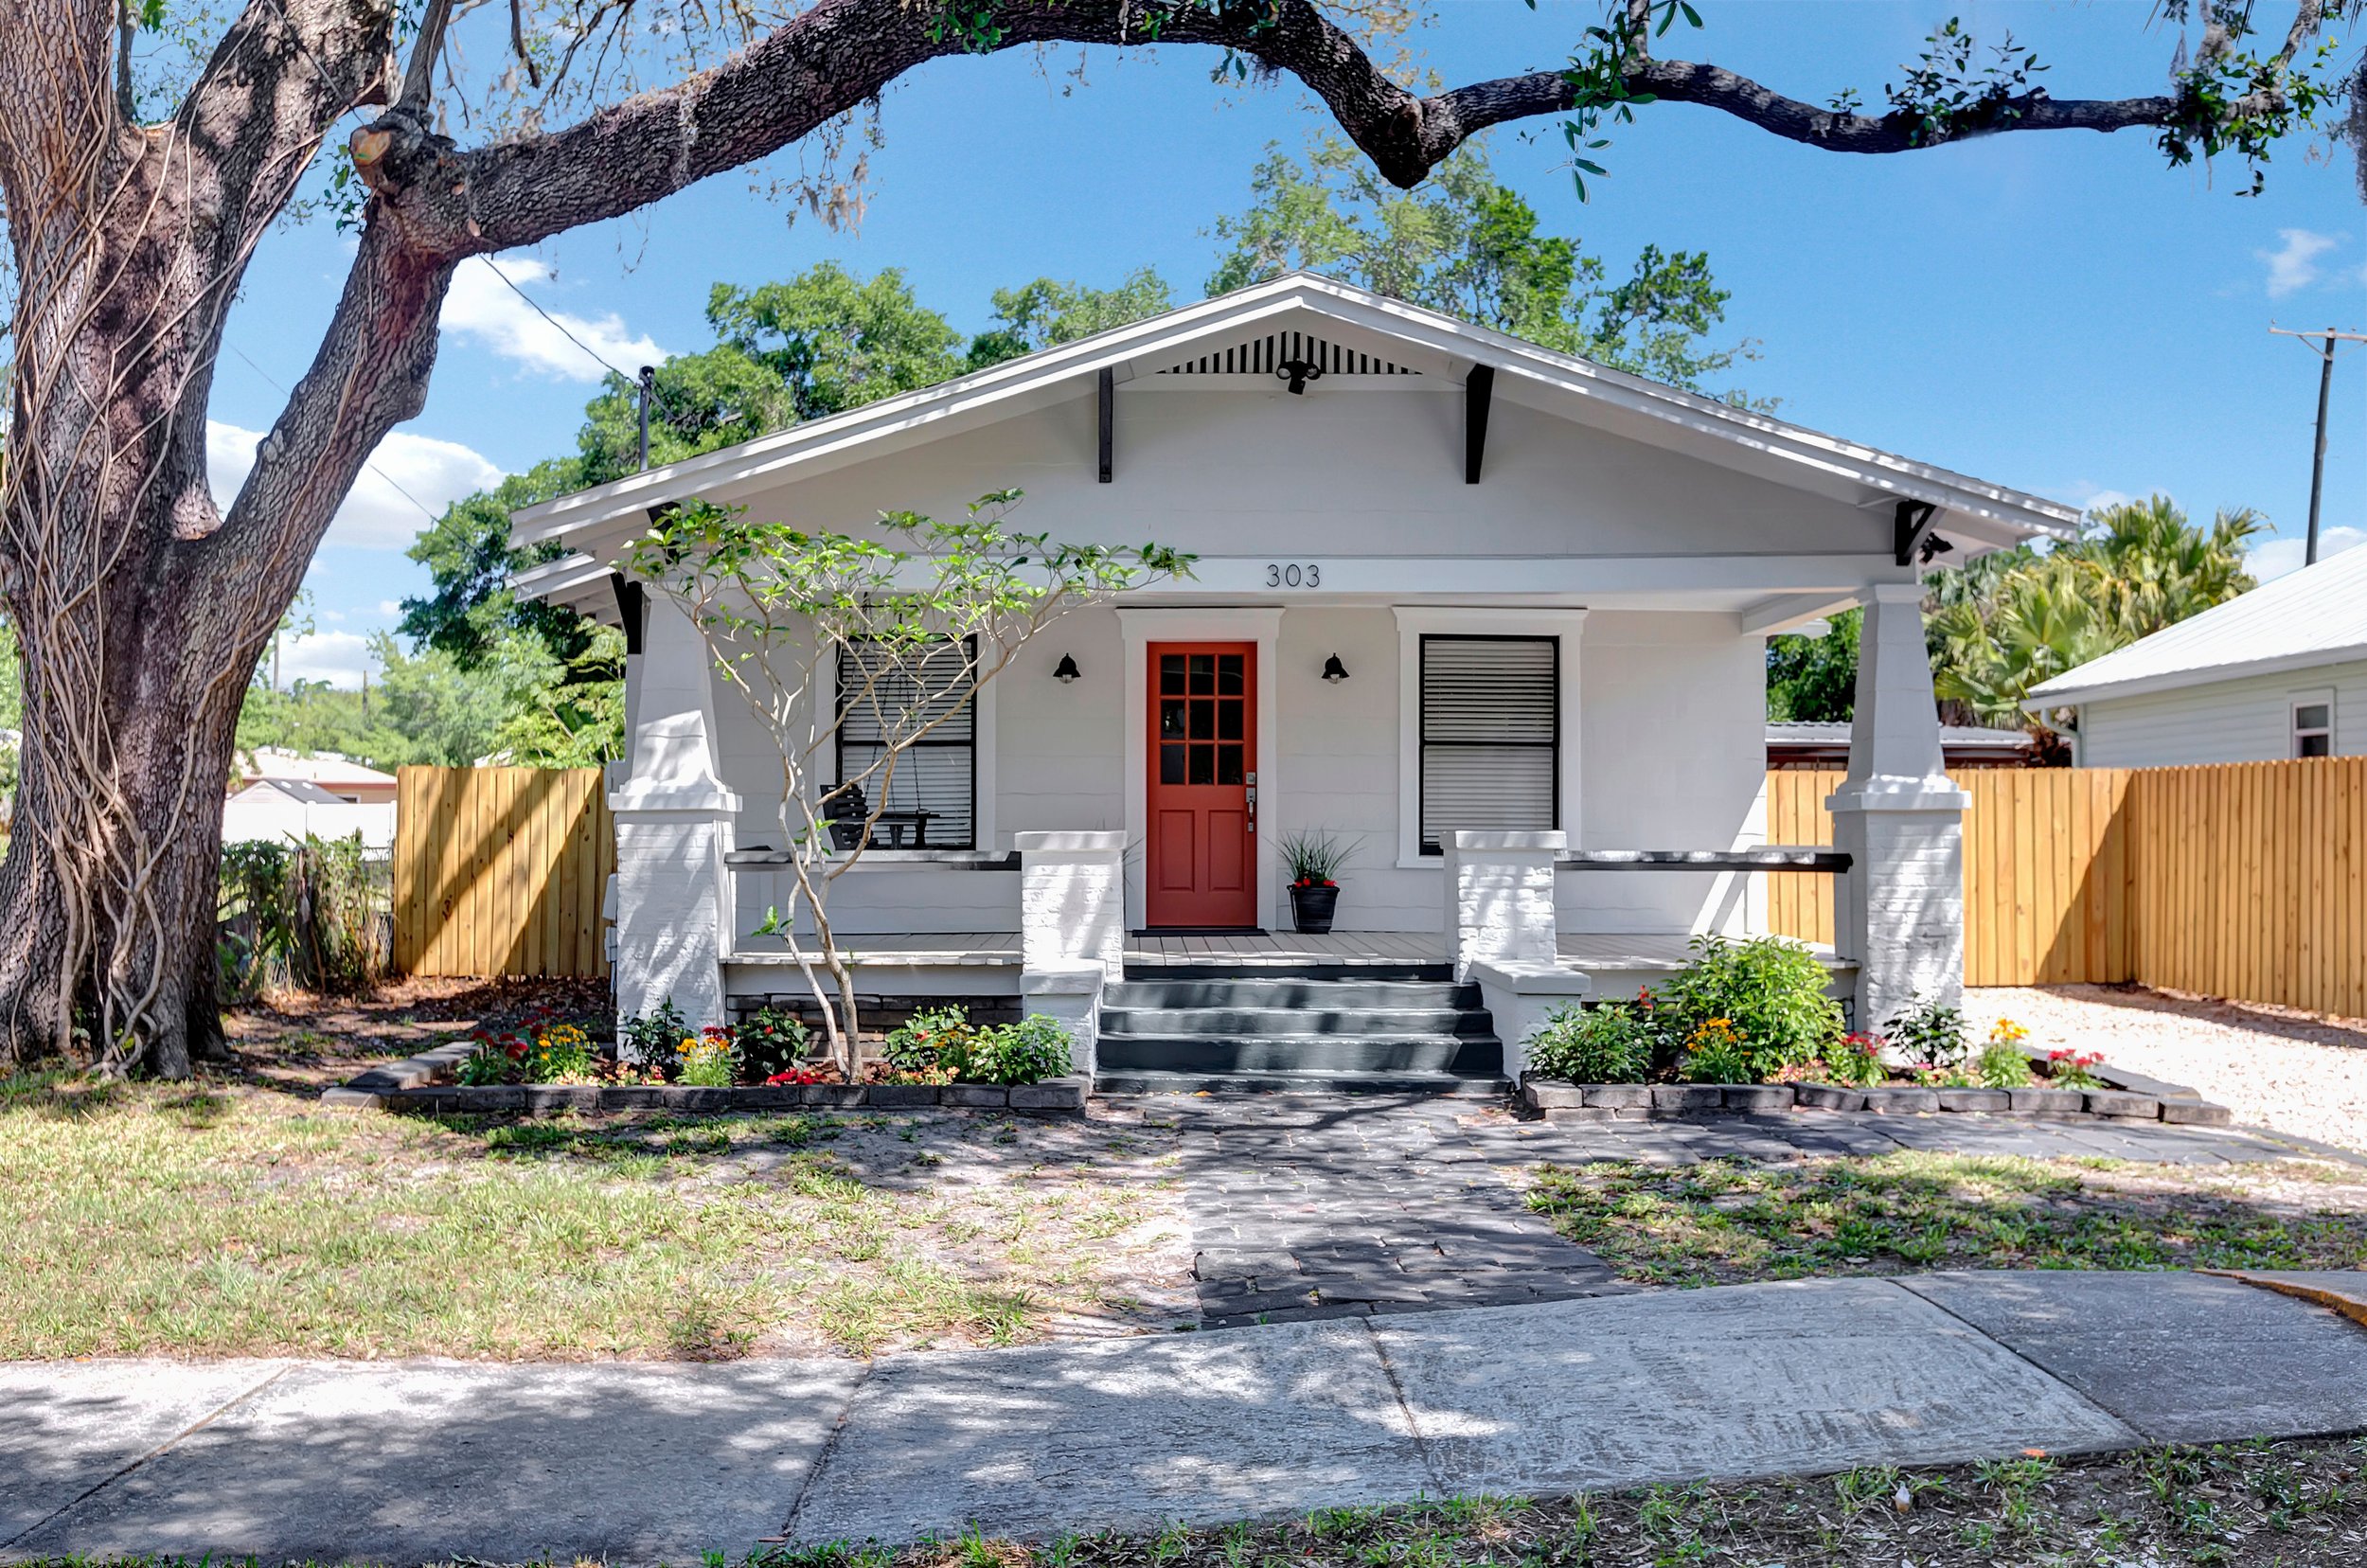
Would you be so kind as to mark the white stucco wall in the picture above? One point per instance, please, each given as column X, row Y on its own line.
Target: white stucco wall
column 1668, row 753
column 1336, row 473
column 2238, row 720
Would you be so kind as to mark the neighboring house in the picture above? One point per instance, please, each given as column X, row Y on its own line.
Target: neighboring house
column 342, row 778
column 1548, row 587
column 283, row 811
column 2276, row 672
column 1796, row 745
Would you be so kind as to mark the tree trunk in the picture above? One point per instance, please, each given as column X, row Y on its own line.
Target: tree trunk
column 140, row 610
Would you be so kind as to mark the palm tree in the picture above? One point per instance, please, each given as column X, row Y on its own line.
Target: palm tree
column 2160, row 567
column 2002, row 624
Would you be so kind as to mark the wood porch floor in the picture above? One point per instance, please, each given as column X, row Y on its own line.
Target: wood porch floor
column 1646, row 951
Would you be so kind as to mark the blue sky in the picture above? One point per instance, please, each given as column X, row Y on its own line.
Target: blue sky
column 2059, row 313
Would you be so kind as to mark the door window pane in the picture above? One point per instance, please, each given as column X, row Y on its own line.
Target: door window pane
column 1204, row 765
column 1171, row 718
column 1228, row 764
column 1203, row 674
column 1171, row 674
column 1171, row 765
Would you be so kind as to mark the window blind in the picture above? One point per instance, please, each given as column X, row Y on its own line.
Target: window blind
column 887, row 694
column 1490, row 735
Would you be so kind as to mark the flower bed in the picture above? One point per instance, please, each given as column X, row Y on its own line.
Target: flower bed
column 1747, row 1027
column 759, row 1064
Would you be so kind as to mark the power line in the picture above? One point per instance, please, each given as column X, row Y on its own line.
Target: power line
column 372, row 467
column 645, row 383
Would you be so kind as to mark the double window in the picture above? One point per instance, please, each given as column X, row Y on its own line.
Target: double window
column 1490, row 735
column 923, row 700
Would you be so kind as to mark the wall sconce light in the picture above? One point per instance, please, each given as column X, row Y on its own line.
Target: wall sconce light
column 1066, row 670
column 1334, row 671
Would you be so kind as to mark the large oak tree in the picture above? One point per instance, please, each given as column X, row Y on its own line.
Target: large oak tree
column 141, row 607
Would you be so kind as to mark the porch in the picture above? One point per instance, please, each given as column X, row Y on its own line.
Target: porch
column 1596, row 954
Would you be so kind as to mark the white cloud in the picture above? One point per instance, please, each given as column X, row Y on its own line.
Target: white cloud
column 2294, row 264
column 2275, row 557
column 380, row 513
column 389, row 607
column 482, row 308
column 2090, row 496
column 337, row 657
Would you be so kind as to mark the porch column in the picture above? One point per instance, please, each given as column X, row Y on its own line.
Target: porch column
column 1072, row 921
column 1899, row 911
column 1500, row 899
column 673, row 828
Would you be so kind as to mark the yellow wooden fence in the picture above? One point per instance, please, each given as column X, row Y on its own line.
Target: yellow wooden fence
column 501, row 872
column 2245, row 880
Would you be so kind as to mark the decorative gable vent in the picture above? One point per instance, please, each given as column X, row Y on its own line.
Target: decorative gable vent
column 1265, row 356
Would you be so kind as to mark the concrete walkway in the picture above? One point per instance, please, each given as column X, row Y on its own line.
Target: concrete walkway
column 639, row 1463
column 1327, row 1207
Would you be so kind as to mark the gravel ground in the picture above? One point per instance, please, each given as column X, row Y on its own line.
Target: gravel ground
column 2276, row 1067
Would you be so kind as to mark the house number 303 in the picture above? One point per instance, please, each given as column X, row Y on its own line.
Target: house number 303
column 1293, row 574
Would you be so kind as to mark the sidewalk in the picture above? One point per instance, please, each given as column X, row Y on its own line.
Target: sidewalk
column 639, row 1463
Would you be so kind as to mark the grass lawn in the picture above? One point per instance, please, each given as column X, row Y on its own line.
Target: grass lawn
column 236, row 1217
column 1725, row 1222
column 2299, row 1505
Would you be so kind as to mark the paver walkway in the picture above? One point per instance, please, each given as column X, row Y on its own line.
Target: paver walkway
column 634, row 1462
column 1308, row 1206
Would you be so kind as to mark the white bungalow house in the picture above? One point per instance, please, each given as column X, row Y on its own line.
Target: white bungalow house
column 2280, row 671
column 1493, row 611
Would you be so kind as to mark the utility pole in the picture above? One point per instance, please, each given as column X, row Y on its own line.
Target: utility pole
column 649, row 386
column 2325, row 385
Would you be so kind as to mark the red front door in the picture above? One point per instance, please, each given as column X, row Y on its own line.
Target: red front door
column 1201, row 862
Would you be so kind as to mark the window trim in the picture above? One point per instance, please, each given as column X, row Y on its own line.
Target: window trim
column 981, row 717
column 2297, row 700
column 1416, row 621
column 1551, row 746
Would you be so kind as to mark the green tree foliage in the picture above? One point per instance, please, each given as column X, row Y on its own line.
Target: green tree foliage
column 2016, row 618
column 1464, row 244
column 1046, row 313
column 1814, row 680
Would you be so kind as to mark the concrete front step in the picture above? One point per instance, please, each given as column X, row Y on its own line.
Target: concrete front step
column 1344, row 1022
column 1445, row 1084
column 1317, row 969
column 1295, row 993
column 1462, row 1055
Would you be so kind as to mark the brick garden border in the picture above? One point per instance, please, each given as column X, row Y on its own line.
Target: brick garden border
column 2135, row 1100
column 422, row 1083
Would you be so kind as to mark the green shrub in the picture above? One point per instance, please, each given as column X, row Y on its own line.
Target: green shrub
column 1029, row 1051
column 1929, row 1035
column 933, row 1043
column 770, row 1041
column 491, row 1062
column 305, row 915
column 707, row 1060
column 1770, row 988
column 2003, row 1066
column 1855, row 1060
column 654, row 1039
column 560, row 1053
column 1720, row 1053
column 1609, row 1042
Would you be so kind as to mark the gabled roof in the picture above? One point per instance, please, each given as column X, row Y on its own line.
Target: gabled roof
column 317, row 767
column 290, row 788
column 1391, row 336
column 2316, row 615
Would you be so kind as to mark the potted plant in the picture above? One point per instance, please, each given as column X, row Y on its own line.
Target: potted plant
column 1314, row 859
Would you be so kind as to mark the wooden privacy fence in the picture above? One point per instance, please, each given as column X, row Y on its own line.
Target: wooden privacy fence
column 501, row 872
column 2246, row 880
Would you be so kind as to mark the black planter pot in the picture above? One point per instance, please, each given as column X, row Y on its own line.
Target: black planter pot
column 1311, row 908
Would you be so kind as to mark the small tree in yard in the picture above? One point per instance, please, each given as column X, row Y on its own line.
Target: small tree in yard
column 929, row 611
